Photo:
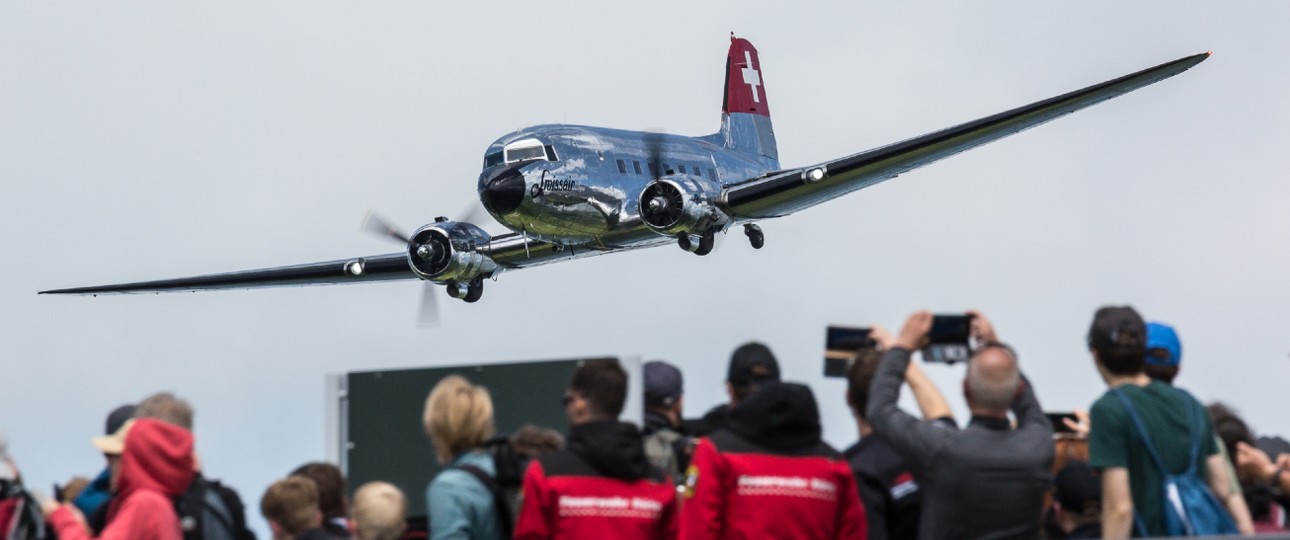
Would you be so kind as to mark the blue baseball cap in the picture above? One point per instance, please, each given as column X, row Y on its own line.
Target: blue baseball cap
column 1163, row 336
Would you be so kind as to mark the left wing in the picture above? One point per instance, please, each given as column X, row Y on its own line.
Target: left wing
column 356, row 270
column 784, row 192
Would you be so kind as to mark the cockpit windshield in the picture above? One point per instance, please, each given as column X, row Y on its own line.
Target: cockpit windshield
column 520, row 151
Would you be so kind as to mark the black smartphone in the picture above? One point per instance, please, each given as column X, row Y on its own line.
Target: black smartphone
column 950, row 329
column 1058, row 425
column 949, row 340
column 840, row 346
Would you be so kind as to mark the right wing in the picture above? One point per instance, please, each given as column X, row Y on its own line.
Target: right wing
column 784, row 192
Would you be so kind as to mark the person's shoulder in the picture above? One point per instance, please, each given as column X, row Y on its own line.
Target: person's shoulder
column 1109, row 404
column 451, row 481
column 153, row 503
column 875, row 457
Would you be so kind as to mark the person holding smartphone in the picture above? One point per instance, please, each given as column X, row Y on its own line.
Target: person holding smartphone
column 1004, row 467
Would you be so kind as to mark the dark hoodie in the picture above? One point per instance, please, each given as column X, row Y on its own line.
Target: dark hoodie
column 156, row 467
column 769, row 475
column 599, row 486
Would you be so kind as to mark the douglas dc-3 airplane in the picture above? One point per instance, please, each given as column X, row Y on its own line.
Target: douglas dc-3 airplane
column 568, row 191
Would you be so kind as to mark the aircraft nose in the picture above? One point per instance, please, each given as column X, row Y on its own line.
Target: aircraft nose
column 503, row 193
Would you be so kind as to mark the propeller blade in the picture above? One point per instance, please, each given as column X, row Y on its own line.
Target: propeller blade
column 428, row 313
column 654, row 152
column 375, row 224
column 473, row 214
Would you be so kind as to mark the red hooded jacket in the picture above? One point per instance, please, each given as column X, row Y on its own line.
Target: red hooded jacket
column 156, row 467
column 768, row 475
column 599, row 486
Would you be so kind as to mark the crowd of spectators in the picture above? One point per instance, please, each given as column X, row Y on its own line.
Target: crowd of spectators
column 1147, row 459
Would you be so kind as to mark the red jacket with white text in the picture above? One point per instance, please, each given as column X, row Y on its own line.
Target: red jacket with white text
column 156, row 467
column 600, row 486
column 769, row 475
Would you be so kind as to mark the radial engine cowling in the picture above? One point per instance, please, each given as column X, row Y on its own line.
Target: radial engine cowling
column 682, row 204
column 446, row 251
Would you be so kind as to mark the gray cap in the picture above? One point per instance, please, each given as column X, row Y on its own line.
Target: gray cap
column 662, row 383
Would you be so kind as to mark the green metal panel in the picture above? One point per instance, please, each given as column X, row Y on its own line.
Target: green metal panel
column 386, row 440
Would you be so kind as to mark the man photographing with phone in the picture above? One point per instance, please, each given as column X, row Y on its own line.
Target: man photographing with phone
column 989, row 478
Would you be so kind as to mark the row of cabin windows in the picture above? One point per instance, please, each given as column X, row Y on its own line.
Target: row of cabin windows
column 667, row 169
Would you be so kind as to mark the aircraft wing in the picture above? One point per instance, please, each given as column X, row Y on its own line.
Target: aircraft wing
column 784, row 192
column 375, row 268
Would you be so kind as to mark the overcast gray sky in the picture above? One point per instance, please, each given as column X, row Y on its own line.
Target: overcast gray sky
column 144, row 140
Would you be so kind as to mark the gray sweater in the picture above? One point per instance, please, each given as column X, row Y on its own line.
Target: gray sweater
column 985, row 481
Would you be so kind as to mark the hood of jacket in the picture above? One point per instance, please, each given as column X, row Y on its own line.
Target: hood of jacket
column 614, row 448
column 157, row 457
column 783, row 416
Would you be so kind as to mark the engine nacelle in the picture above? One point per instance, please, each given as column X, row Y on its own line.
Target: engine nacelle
column 446, row 251
column 682, row 204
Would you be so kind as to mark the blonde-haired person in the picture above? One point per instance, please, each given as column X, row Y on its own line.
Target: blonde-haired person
column 459, row 419
column 379, row 512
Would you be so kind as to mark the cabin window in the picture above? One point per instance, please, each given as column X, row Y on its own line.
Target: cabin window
column 712, row 173
column 550, row 153
column 525, row 150
column 653, row 170
column 698, row 172
column 637, row 166
column 681, row 168
column 622, row 167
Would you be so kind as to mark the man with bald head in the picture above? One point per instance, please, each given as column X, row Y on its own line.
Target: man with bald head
column 987, row 480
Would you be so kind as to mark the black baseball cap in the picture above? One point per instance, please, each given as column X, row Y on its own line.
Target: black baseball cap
column 1117, row 326
column 1078, row 489
column 752, row 363
column 117, row 418
column 663, row 383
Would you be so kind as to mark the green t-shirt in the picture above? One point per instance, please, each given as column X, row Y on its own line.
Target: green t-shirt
column 1114, row 442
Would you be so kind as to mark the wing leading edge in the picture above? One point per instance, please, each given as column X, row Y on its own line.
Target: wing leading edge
column 785, row 192
column 376, row 268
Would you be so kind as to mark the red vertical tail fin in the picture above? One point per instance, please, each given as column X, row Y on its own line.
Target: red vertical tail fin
column 745, row 89
column 745, row 118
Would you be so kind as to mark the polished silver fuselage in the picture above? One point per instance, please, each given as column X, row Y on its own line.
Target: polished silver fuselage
column 589, row 195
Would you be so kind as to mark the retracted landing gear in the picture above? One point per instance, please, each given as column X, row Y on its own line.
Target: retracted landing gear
column 697, row 244
column 470, row 292
column 755, row 236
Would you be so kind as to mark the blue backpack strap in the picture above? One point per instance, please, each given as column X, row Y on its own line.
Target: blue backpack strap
column 1142, row 432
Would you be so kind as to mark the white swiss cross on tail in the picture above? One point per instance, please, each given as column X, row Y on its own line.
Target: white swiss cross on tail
column 751, row 77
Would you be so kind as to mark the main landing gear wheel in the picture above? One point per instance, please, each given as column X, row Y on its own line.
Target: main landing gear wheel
column 469, row 292
column 700, row 248
column 755, row 236
column 475, row 290
column 705, row 245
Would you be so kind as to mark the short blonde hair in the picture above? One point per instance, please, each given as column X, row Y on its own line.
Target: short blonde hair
column 458, row 417
column 292, row 503
column 379, row 511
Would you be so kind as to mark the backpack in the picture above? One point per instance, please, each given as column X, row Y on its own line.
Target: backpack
column 20, row 516
column 1190, row 507
column 209, row 510
column 501, row 507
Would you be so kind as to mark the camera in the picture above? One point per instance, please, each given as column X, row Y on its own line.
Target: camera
column 949, row 339
column 840, row 346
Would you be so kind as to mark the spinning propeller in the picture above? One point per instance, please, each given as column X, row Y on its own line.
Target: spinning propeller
column 428, row 312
